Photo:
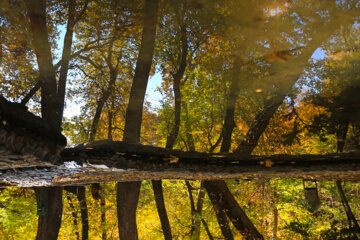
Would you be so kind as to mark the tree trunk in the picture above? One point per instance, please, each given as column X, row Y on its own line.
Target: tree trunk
column 229, row 122
column 74, row 215
column 50, row 205
column 275, row 222
column 103, row 217
column 127, row 197
column 49, row 101
column 137, row 93
column 220, row 194
column 353, row 224
column 341, row 137
column 49, row 199
column 258, row 126
column 65, row 59
column 220, row 214
column 189, row 137
column 81, row 196
column 110, row 120
column 160, row 205
column 227, row 130
column 207, row 229
column 157, row 186
column 100, row 104
column 177, row 94
column 198, row 212
column 128, row 193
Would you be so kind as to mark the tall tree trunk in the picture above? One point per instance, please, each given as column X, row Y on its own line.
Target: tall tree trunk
column 52, row 94
column 103, row 217
column 127, row 197
column 207, row 229
column 353, row 224
column 160, row 205
column 220, row 194
column 220, row 215
column 128, row 193
column 74, row 215
column 177, row 94
column 65, row 59
column 81, row 196
column 110, row 122
column 198, row 212
column 48, row 223
column 157, row 186
column 275, row 222
column 49, row 102
column 229, row 122
column 110, row 88
column 250, row 141
column 262, row 120
column 79, row 192
column 189, row 137
column 50, row 205
column 100, row 105
column 227, row 130
column 138, row 88
column 341, row 137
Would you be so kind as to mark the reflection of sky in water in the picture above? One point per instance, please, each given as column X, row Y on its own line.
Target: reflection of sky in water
column 73, row 108
column 319, row 54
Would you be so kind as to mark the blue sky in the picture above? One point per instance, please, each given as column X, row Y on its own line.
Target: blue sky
column 152, row 95
column 73, row 109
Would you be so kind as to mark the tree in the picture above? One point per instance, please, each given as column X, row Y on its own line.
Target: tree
column 224, row 78
column 128, row 193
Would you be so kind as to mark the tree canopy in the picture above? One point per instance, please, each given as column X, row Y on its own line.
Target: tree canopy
column 97, row 92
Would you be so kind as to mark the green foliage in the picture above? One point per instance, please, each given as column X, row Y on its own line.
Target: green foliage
column 17, row 213
column 263, row 34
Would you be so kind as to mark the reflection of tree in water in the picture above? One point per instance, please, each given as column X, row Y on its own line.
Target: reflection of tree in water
column 231, row 72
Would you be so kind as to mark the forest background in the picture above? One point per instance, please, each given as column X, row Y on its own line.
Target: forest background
column 261, row 77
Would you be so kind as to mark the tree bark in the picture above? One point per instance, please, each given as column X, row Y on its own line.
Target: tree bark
column 65, row 59
column 189, row 137
column 103, row 217
column 170, row 141
column 49, row 199
column 177, row 94
column 128, row 193
column 31, row 93
column 198, row 212
column 66, row 54
column 137, row 93
column 107, row 92
column 353, row 224
column 81, row 196
column 341, row 137
column 127, row 197
column 110, row 122
column 275, row 222
column 220, row 214
column 229, row 122
column 50, row 204
column 160, row 205
column 227, row 130
column 100, row 105
column 207, row 229
column 49, row 101
column 74, row 215
column 220, row 194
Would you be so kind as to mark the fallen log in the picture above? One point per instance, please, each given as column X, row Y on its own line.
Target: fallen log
column 107, row 161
